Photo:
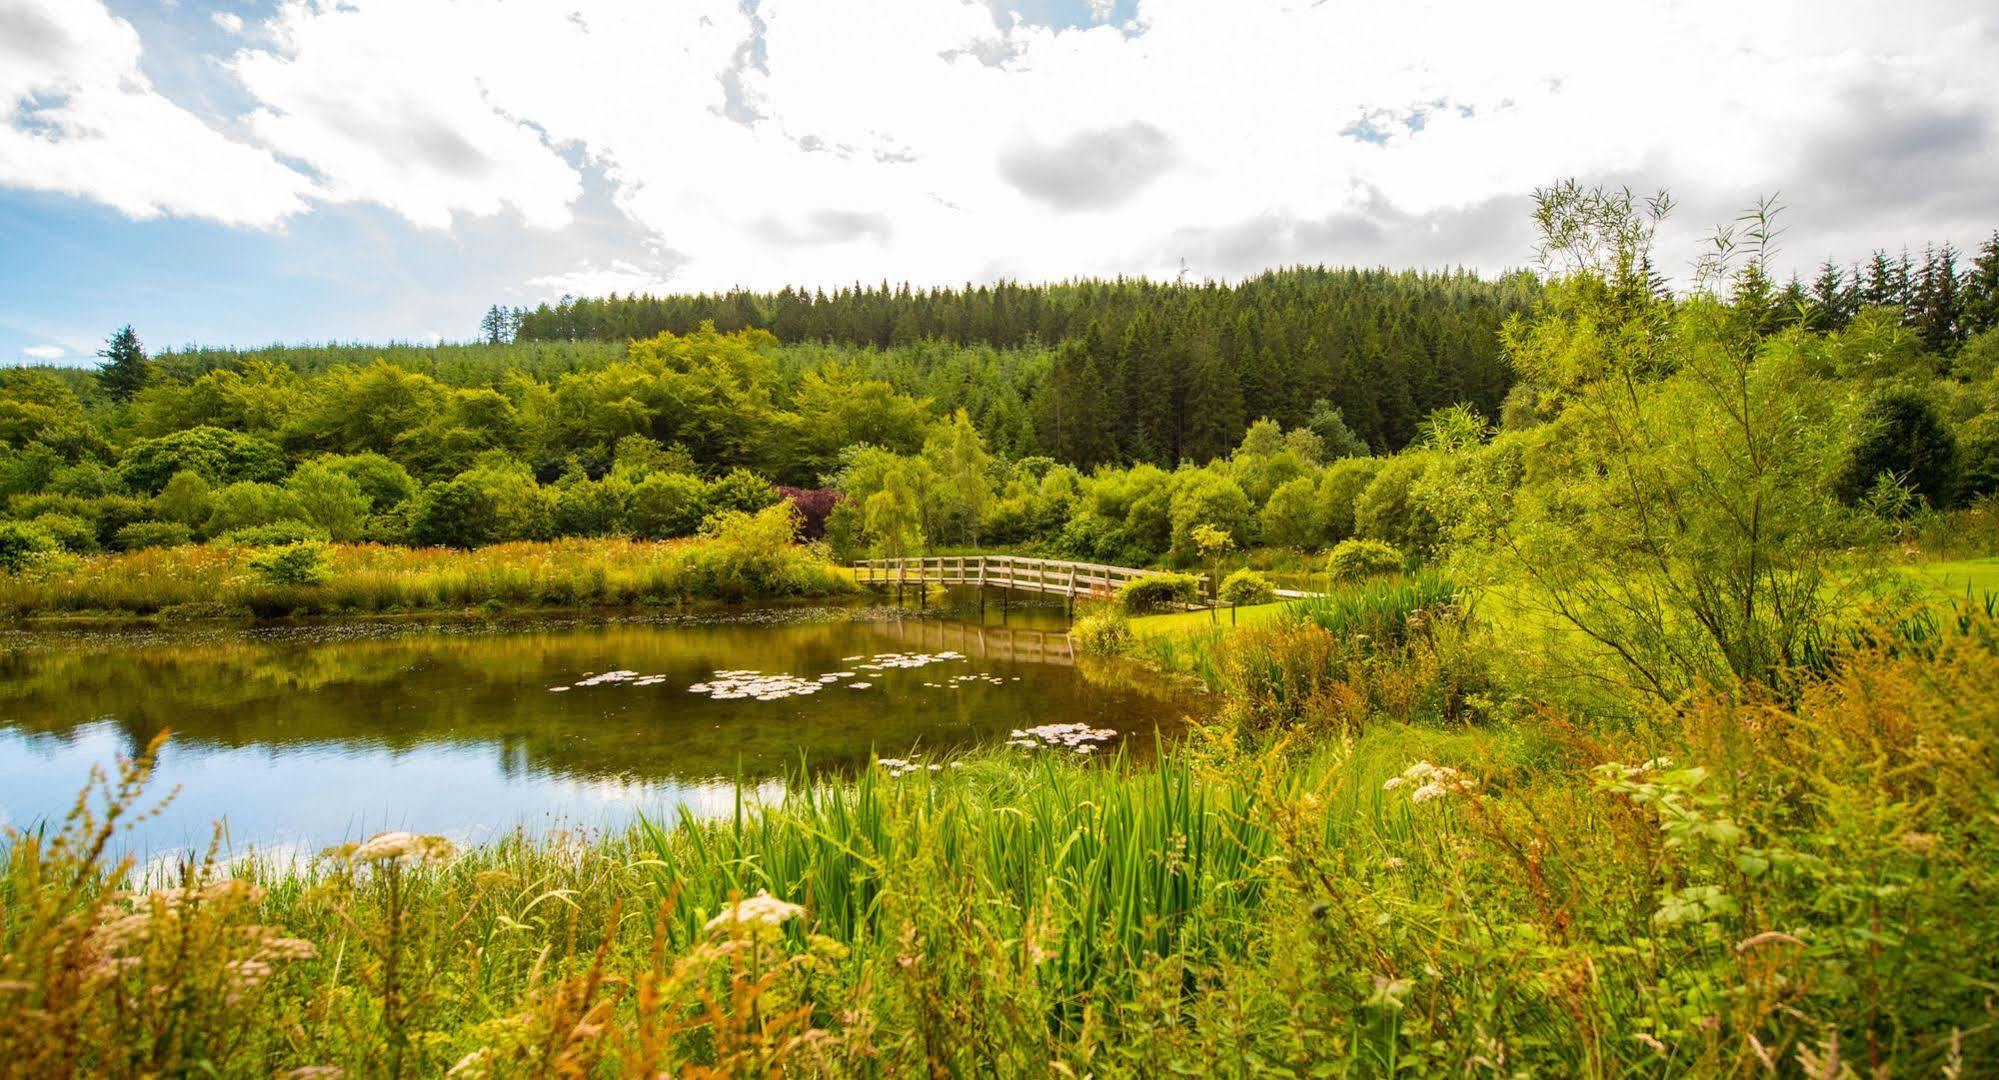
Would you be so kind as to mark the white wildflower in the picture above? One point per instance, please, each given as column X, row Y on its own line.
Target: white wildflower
column 761, row 910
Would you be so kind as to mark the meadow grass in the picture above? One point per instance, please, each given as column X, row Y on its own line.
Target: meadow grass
column 373, row 578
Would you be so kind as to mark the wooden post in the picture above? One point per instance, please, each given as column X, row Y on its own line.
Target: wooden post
column 982, row 587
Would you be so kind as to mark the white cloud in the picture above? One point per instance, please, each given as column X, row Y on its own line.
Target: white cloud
column 43, row 352
column 83, row 119
column 616, row 276
column 388, row 103
column 229, row 21
column 828, row 141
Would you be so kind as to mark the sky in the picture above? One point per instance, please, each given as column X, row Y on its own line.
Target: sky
column 373, row 170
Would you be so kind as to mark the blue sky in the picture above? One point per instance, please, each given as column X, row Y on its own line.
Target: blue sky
column 241, row 173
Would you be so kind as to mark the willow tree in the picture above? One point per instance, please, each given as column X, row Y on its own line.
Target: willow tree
column 1678, row 512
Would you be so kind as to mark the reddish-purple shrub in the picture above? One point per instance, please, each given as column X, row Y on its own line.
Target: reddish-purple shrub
column 813, row 505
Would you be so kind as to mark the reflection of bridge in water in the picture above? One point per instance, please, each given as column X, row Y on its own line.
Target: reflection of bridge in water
column 985, row 642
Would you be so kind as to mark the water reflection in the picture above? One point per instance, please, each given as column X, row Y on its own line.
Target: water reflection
column 308, row 735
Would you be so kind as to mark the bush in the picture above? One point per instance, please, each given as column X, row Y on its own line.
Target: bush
column 1901, row 434
column 70, row 532
column 1247, row 587
column 1339, row 489
column 1390, row 509
column 274, row 534
column 186, row 498
column 586, row 507
column 740, row 490
column 22, row 545
column 151, row 534
column 293, row 564
column 454, row 513
column 245, row 504
column 1105, row 633
column 1155, row 592
column 1356, row 560
column 330, row 498
column 665, row 505
column 216, row 455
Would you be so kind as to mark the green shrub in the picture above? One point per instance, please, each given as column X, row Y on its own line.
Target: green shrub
column 293, row 564
column 1390, row 508
column 454, row 513
column 1103, row 633
column 585, row 507
column 70, row 532
column 22, row 545
column 151, row 534
column 275, row 534
column 1155, row 592
column 216, row 455
column 250, row 503
column 666, row 504
column 1356, row 560
column 1246, row 587
column 1902, row 435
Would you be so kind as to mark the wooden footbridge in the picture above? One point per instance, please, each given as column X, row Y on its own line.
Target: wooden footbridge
column 1009, row 573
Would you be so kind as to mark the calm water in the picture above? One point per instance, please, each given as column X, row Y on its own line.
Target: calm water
column 305, row 736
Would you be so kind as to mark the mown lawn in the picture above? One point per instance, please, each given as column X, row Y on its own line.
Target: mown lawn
column 1184, row 622
column 1958, row 576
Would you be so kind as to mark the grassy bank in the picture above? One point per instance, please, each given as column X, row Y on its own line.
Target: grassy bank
column 368, row 578
column 1377, row 861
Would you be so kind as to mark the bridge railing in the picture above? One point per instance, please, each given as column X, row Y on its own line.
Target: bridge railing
column 1058, row 576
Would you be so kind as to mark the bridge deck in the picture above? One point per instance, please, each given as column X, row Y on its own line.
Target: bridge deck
column 1054, row 576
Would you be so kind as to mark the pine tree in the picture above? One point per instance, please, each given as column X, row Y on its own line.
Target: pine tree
column 1937, row 315
column 1831, row 301
column 493, row 328
column 125, row 367
column 1981, row 290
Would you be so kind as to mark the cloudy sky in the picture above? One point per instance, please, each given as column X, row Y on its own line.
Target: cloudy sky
column 247, row 172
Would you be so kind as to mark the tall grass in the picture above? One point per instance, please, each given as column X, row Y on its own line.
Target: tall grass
column 370, row 578
column 1739, row 886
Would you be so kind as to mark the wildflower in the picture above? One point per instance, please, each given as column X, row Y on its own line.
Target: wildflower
column 1432, row 781
column 761, row 910
column 383, row 847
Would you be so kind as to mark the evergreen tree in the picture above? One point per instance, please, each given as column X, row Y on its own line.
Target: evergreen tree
column 125, row 367
column 1832, row 302
column 1937, row 315
column 1981, row 290
column 493, row 328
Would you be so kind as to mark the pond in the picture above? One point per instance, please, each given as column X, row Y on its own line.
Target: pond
column 303, row 736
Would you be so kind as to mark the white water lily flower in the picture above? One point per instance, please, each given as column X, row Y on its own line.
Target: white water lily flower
column 761, row 910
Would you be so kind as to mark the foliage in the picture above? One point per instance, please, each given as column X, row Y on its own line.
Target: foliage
column 1157, row 592
column 1357, row 560
column 292, row 564
column 274, row 534
column 455, row 513
column 216, row 455
column 125, row 367
column 1246, row 587
column 1902, row 436
column 22, row 544
column 1391, row 509
column 1103, row 633
column 1677, row 515
column 150, row 534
